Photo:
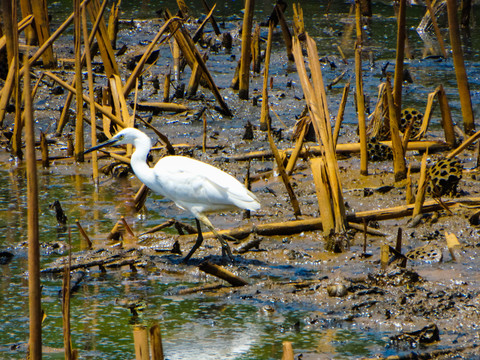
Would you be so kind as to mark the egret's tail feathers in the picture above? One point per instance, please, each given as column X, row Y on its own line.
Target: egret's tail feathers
column 249, row 202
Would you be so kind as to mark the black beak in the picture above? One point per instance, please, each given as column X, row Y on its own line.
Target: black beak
column 112, row 141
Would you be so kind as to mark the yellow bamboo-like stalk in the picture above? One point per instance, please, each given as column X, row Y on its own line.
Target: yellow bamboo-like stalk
column 358, row 22
column 399, row 166
column 296, row 151
column 460, row 71
column 105, row 110
column 140, row 338
column 264, row 114
column 166, row 88
column 67, row 340
column 30, row 33
column 244, row 75
column 104, row 44
column 256, row 56
column 447, row 122
column 156, row 342
column 16, row 140
column 400, row 55
column 34, row 292
column 287, row 351
column 79, row 136
column 438, row 34
column 341, row 111
column 362, row 126
column 319, row 173
column 287, row 36
column 316, row 100
column 113, row 24
column 64, row 115
column 91, row 90
column 44, row 150
column 420, row 199
column 283, row 174
column 39, row 9
column 9, row 26
column 409, row 193
column 8, row 87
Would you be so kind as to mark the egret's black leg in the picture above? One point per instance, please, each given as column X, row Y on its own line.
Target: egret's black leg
column 225, row 247
column 197, row 243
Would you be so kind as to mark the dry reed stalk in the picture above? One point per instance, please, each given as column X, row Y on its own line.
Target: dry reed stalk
column 34, row 290
column 453, row 246
column 212, row 19
column 10, row 28
column 298, row 24
column 463, row 145
column 460, row 71
column 422, row 185
column 204, row 133
column 140, row 197
column 287, row 351
column 409, row 193
column 399, row 167
column 245, row 56
column 67, row 339
column 65, row 110
column 358, row 22
column 283, row 174
column 140, row 340
column 287, row 35
column 91, row 90
column 7, row 89
column 79, row 136
column 264, row 114
column 103, row 109
column 194, row 81
column 130, row 83
column 30, row 31
column 256, row 55
column 156, row 342
column 438, row 34
column 319, row 173
column 341, row 111
column 22, row 24
column 166, row 88
column 84, row 235
column 113, row 24
column 282, row 228
column 296, row 151
column 222, row 273
column 447, row 122
column 224, row 107
column 44, row 150
column 342, row 149
column 127, row 227
column 104, row 44
column 317, row 102
column 362, row 127
column 39, row 10
column 400, row 55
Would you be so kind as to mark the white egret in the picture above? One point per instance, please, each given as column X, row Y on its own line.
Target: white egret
column 191, row 184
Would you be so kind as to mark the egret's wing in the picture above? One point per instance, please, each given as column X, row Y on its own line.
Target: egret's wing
column 189, row 183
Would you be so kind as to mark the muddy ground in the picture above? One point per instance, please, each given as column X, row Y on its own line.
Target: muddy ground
column 429, row 307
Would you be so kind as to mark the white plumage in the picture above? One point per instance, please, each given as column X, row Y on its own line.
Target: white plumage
column 191, row 184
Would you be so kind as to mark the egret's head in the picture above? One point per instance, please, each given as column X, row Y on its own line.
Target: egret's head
column 126, row 136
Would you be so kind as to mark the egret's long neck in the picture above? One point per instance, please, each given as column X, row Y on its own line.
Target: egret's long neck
column 138, row 162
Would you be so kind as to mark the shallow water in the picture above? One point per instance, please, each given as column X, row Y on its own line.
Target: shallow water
column 231, row 326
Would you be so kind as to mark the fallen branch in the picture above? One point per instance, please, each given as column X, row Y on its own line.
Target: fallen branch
column 222, row 273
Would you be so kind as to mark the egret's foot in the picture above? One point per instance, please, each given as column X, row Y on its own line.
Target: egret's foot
column 227, row 256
